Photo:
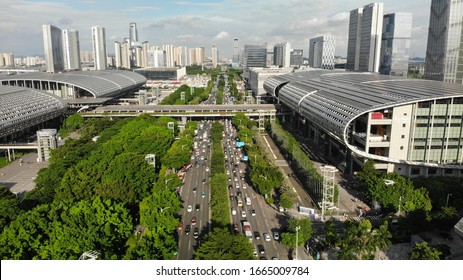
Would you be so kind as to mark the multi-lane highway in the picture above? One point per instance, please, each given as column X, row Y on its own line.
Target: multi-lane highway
column 195, row 193
column 264, row 219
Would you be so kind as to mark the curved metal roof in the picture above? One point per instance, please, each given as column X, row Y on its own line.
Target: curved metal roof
column 24, row 107
column 105, row 83
column 334, row 99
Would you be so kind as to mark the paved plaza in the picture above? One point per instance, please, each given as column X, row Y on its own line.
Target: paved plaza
column 19, row 175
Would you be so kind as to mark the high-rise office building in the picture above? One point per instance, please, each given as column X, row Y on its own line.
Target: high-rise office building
column 117, row 54
column 364, row 43
column 180, row 56
column 7, row 60
column 99, row 47
column 215, row 55
column 133, row 34
column 395, row 44
column 236, row 54
column 255, row 56
column 444, row 53
column 126, row 55
column 71, row 49
column 52, row 45
column 282, row 54
column 322, row 52
column 169, row 55
column 296, row 58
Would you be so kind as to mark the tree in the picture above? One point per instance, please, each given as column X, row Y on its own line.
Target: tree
column 74, row 121
column 446, row 218
column 221, row 245
column 331, row 236
column 286, row 201
column 421, row 251
column 304, row 233
column 9, row 207
column 361, row 242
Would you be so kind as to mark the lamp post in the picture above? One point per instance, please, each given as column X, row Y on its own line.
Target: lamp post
column 297, row 238
column 165, row 208
column 255, row 159
column 447, row 202
column 151, row 159
column 400, row 202
column 168, row 181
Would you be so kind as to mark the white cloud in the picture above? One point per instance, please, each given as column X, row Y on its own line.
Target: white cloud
column 222, row 35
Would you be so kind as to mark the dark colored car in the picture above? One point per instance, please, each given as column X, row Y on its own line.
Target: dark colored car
column 187, row 229
column 197, row 207
column 196, row 233
column 261, row 249
column 193, row 221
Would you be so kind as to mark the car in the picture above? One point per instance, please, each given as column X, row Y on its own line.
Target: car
column 187, row 229
column 235, row 227
column 180, row 225
column 237, row 185
column 193, row 220
column 243, row 214
column 229, row 179
column 232, row 197
column 207, row 169
column 192, row 157
column 230, row 187
column 196, row 233
column 202, row 157
column 244, row 186
column 197, row 207
column 228, row 172
column 194, row 190
column 261, row 249
column 241, row 171
column 262, row 258
column 204, row 181
column 275, row 258
column 238, row 193
column 203, row 194
column 267, row 237
column 276, row 235
column 255, row 252
column 253, row 212
column 256, row 235
column 233, row 211
column 189, row 208
column 236, row 179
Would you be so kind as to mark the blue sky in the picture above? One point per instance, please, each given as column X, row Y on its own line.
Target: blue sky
column 196, row 23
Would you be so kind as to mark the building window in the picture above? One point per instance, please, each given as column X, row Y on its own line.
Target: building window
column 432, row 171
column 448, row 171
column 405, row 114
column 403, row 136
column 399, row 169
column 401, row 147
column 404, row 125
column 415, row 171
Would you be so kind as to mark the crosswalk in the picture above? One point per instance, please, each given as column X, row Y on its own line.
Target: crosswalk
column 374, row 218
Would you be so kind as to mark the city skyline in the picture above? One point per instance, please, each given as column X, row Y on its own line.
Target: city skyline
column 196, row 23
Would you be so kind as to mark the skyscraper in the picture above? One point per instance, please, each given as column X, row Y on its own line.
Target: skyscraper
column 236, row 54
column 71, row 49
column 99, row 47
column 282, row 54
column 133, row 34
column 364, row 43
column 52, row 40
column 296, row 57
column 322, row 52
column 444, row 53
column 118, row 54
column 255, row 56
column 215, row 55
column 395, row 44
column 196, row 56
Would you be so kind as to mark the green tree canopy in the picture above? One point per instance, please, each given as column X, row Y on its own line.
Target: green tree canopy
column 221, row 245
column 422, row 251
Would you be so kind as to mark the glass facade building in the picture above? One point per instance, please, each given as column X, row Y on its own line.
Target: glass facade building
column 444, row 53
column 395, row 44
column 255, row 56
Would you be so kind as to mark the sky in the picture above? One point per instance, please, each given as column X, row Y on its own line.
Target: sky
column 196, row 23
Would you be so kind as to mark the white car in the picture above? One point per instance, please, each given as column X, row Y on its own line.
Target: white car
column 233, row 210
column 189, row 208
column 207, row 169
column 267, row 237
column 276, row 235
column 243, row 214
column 237, row 186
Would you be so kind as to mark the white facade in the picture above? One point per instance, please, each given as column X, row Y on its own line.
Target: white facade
column 322, row 52
column 99, row 47
column 258, row 75
column 155, row 58
column 282, row 54
column 196, row 56
column 215, row 55
column 364, row 43
column 71, row 49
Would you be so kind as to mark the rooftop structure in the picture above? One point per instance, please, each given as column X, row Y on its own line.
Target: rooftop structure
column 97, row 84
column 409, row 126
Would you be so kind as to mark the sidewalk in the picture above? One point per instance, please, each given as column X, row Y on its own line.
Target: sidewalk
column 19, row 177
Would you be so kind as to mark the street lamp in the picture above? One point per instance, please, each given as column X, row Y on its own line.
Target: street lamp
column 168, row 181
column 255, row 159
column 151, row 159
column 297, row 238
column 400, row 202
column 165, row 208
column 447, row 203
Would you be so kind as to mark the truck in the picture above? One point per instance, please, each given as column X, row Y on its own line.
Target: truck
column 247, row 229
